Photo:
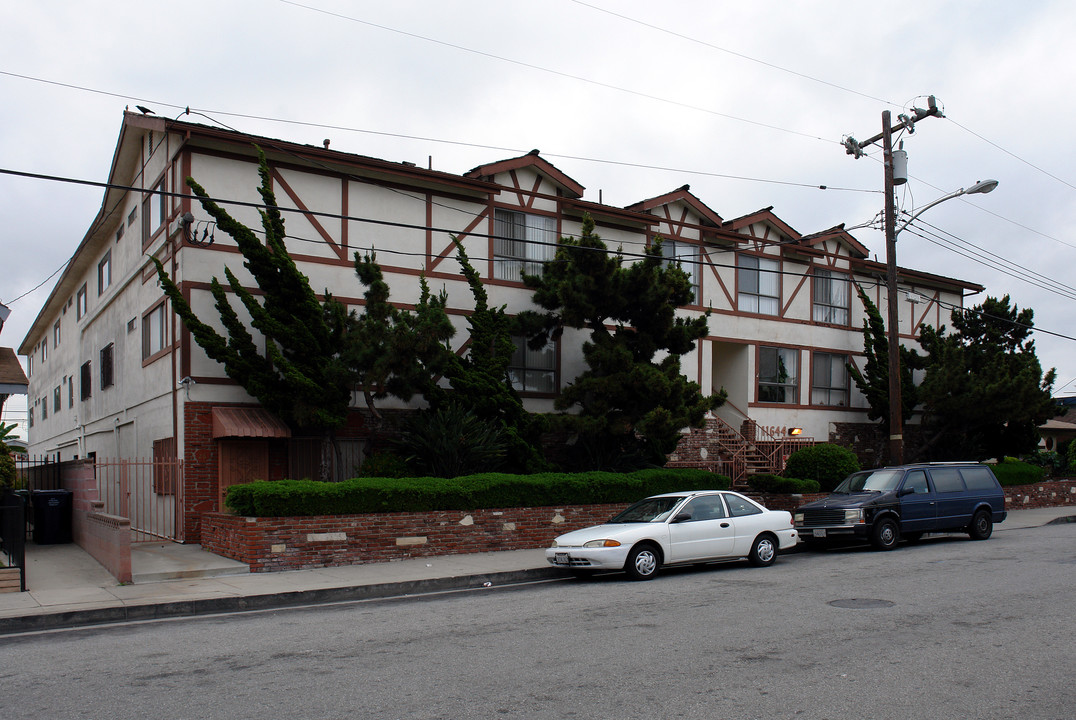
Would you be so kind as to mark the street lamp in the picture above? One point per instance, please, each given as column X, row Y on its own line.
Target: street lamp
column 896, row 403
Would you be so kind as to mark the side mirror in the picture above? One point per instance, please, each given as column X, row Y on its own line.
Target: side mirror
column 682, row 517
column 906, row 491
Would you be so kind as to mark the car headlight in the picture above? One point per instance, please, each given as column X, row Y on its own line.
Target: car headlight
column 853, row 516
column 601, row 543
column 554, row 544
column 798, row 518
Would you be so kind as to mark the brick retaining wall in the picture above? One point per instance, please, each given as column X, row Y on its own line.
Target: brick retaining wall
column 295, row 543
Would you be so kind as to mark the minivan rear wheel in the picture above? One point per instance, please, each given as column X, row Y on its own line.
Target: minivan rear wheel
column 982, row 526
column 885, row 535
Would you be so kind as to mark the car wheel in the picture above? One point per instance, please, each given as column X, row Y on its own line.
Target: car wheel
column 643, row 562
column 763, row 551
column 885, row 534
column 982, row 526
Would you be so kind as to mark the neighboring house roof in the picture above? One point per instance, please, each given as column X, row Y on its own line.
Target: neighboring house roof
column 570, row 188
column 12, row 379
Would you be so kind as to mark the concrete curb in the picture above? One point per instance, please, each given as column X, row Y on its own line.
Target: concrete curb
column 235, row 604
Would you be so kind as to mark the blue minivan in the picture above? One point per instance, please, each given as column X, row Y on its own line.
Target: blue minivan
column 888, row 504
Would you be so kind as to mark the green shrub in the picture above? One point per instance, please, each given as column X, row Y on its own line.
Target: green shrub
column 1070, row 457
column 7, row 467
column 826, row 464
column 1017, row 473
column 451, row 441
column 383, row 463
column 766, row 483
column 471, row 492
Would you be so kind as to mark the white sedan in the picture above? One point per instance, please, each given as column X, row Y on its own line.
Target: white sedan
column 675, row 528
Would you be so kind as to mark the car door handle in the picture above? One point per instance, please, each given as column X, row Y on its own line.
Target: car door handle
column 724, row 525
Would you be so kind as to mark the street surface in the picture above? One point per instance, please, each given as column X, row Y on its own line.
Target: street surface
column 949, row 628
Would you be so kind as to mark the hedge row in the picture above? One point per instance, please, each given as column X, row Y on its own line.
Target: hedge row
column 1017, row 473
column 283, row 498
column 766, row 483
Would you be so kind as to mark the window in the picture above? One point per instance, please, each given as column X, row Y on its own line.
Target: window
column 978, row 478
column 80, row 302
column 154, row 329
column 707, row 507
column 947, row 480
column 831, row 297
column 44, row 408
column 759, row 285
column 917, row 482
column 119, row 232
column 132, row 216
column 739, row 507
column 688, row 257
column 57, row 401
column 104, row 273
column 44, row 351
column 829, row 384
column 70, row 392
column 85, row 381
column 56, row 334
column 777, row 375
column 533, row 371
column 107, row 378
column 522, row 243
column 30, row 417
column 154, row 211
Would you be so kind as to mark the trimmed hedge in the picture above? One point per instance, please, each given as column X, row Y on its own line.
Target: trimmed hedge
column 283, row 498
column 825, row 463
column 766, row 483
column 1017, row 473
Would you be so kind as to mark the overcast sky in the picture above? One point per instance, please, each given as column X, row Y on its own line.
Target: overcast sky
column 746, row 102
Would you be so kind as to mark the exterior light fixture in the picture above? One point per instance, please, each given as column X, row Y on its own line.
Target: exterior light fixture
column 794, row 431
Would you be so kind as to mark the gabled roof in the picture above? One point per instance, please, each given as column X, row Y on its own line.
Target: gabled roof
column 766, row 215
column 570, row 188
column 856, row 248
column 12, row 379
column 682, row 194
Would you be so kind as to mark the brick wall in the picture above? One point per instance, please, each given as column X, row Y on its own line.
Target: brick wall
column 106, row 538
column 295, row 543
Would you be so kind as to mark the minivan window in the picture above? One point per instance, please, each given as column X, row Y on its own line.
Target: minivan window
column 872, row 480
column 947, row 480
column 977, row 478
column 917, row 482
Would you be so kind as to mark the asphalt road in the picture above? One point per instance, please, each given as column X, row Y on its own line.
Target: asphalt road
column 947, row 629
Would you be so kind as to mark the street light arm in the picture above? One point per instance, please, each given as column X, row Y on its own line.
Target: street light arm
column 983, row 186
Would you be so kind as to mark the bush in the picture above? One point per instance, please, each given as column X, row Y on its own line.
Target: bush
column 384, row 463
column 7, row 467
column 451, row 441
column 489, row 490
column 1017, row 473
column 776, row 484
column 825, row 463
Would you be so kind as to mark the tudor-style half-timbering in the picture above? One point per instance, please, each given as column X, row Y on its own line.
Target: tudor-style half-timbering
column 114, row 374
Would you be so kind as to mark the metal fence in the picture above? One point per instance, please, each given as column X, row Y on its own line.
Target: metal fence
column 13, row 535
column 148, row 492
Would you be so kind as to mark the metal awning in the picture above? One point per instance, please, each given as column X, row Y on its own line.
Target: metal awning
column 247, row 422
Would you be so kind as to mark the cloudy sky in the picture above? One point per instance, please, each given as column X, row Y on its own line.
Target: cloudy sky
column 746, row 102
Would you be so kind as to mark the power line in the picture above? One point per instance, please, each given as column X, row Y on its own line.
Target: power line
column 558, row 73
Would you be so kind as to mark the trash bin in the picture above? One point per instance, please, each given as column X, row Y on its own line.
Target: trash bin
column 52, row 516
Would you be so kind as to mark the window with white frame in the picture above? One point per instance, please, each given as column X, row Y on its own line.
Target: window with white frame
column 80, row 302
column 104, row 273
column 57, row 400
column 533, row 371
column 44, row 351
column 758, row 285
column 829, row 379
column 85, row 385
column 522, row 243
column 687, row 256
column 44, row 408
column 154, row 331
column 56, row 334
column 778, row 370
column 831, row 297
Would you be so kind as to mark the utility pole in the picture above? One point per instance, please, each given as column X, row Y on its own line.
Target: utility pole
column 896, row 404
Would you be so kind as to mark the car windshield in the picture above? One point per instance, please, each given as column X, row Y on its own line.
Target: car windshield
column 655, row 509
column 871, row 481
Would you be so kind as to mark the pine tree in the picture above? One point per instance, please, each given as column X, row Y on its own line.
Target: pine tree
column 631, row 406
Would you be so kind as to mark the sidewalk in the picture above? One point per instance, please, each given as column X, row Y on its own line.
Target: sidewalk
column 68, row 588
